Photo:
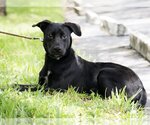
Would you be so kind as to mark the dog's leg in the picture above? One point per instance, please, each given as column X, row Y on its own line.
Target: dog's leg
column 21, row 87
column 43, row 76
column 43, row 80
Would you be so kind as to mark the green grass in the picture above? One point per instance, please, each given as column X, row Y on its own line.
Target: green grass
column 20, row 62
column 33, row 3
column 65, row 105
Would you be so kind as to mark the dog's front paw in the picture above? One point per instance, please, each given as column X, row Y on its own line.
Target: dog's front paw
column 43, row 80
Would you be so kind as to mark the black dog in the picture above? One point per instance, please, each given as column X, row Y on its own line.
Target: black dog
column 63, row 68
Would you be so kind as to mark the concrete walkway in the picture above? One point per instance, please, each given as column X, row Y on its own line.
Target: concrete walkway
column 97, row 45
column 121, row 17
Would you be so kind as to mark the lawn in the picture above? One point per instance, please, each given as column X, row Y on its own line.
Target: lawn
column 20, row 63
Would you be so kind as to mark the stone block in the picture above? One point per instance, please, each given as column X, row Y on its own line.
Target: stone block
column 92, row 17
column 112, row 26
column 141, row 43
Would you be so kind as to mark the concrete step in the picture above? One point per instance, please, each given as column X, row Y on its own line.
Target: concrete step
column 126, row 18
column 141, row 43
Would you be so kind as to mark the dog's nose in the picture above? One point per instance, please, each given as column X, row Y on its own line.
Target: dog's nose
column 57, row 49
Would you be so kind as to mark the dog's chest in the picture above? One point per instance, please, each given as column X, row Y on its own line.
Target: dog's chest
column 64, row 80
column 72, row 73
column 76, row 79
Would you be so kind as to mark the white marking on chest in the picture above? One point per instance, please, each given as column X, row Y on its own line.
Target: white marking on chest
column 77, row 60
column 48, row 73
column 46, row 77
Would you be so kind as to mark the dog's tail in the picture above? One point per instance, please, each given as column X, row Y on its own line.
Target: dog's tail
column 140, row 98
column 143, row 98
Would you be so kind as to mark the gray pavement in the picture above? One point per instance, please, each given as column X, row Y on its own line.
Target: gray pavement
column 121, row 17
column 96, row 45
column 119, row 9
column 134, row 14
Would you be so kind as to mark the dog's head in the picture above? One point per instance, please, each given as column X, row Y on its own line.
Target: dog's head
column 57, row 37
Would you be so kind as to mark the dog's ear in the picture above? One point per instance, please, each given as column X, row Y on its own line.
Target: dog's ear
column 42, row 25
column 74, row 28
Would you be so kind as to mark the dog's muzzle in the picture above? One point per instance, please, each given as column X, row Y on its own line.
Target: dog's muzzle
column 56, row 53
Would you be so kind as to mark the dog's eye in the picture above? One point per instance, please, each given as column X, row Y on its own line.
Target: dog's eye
column 64, row 37
column 50, row 36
